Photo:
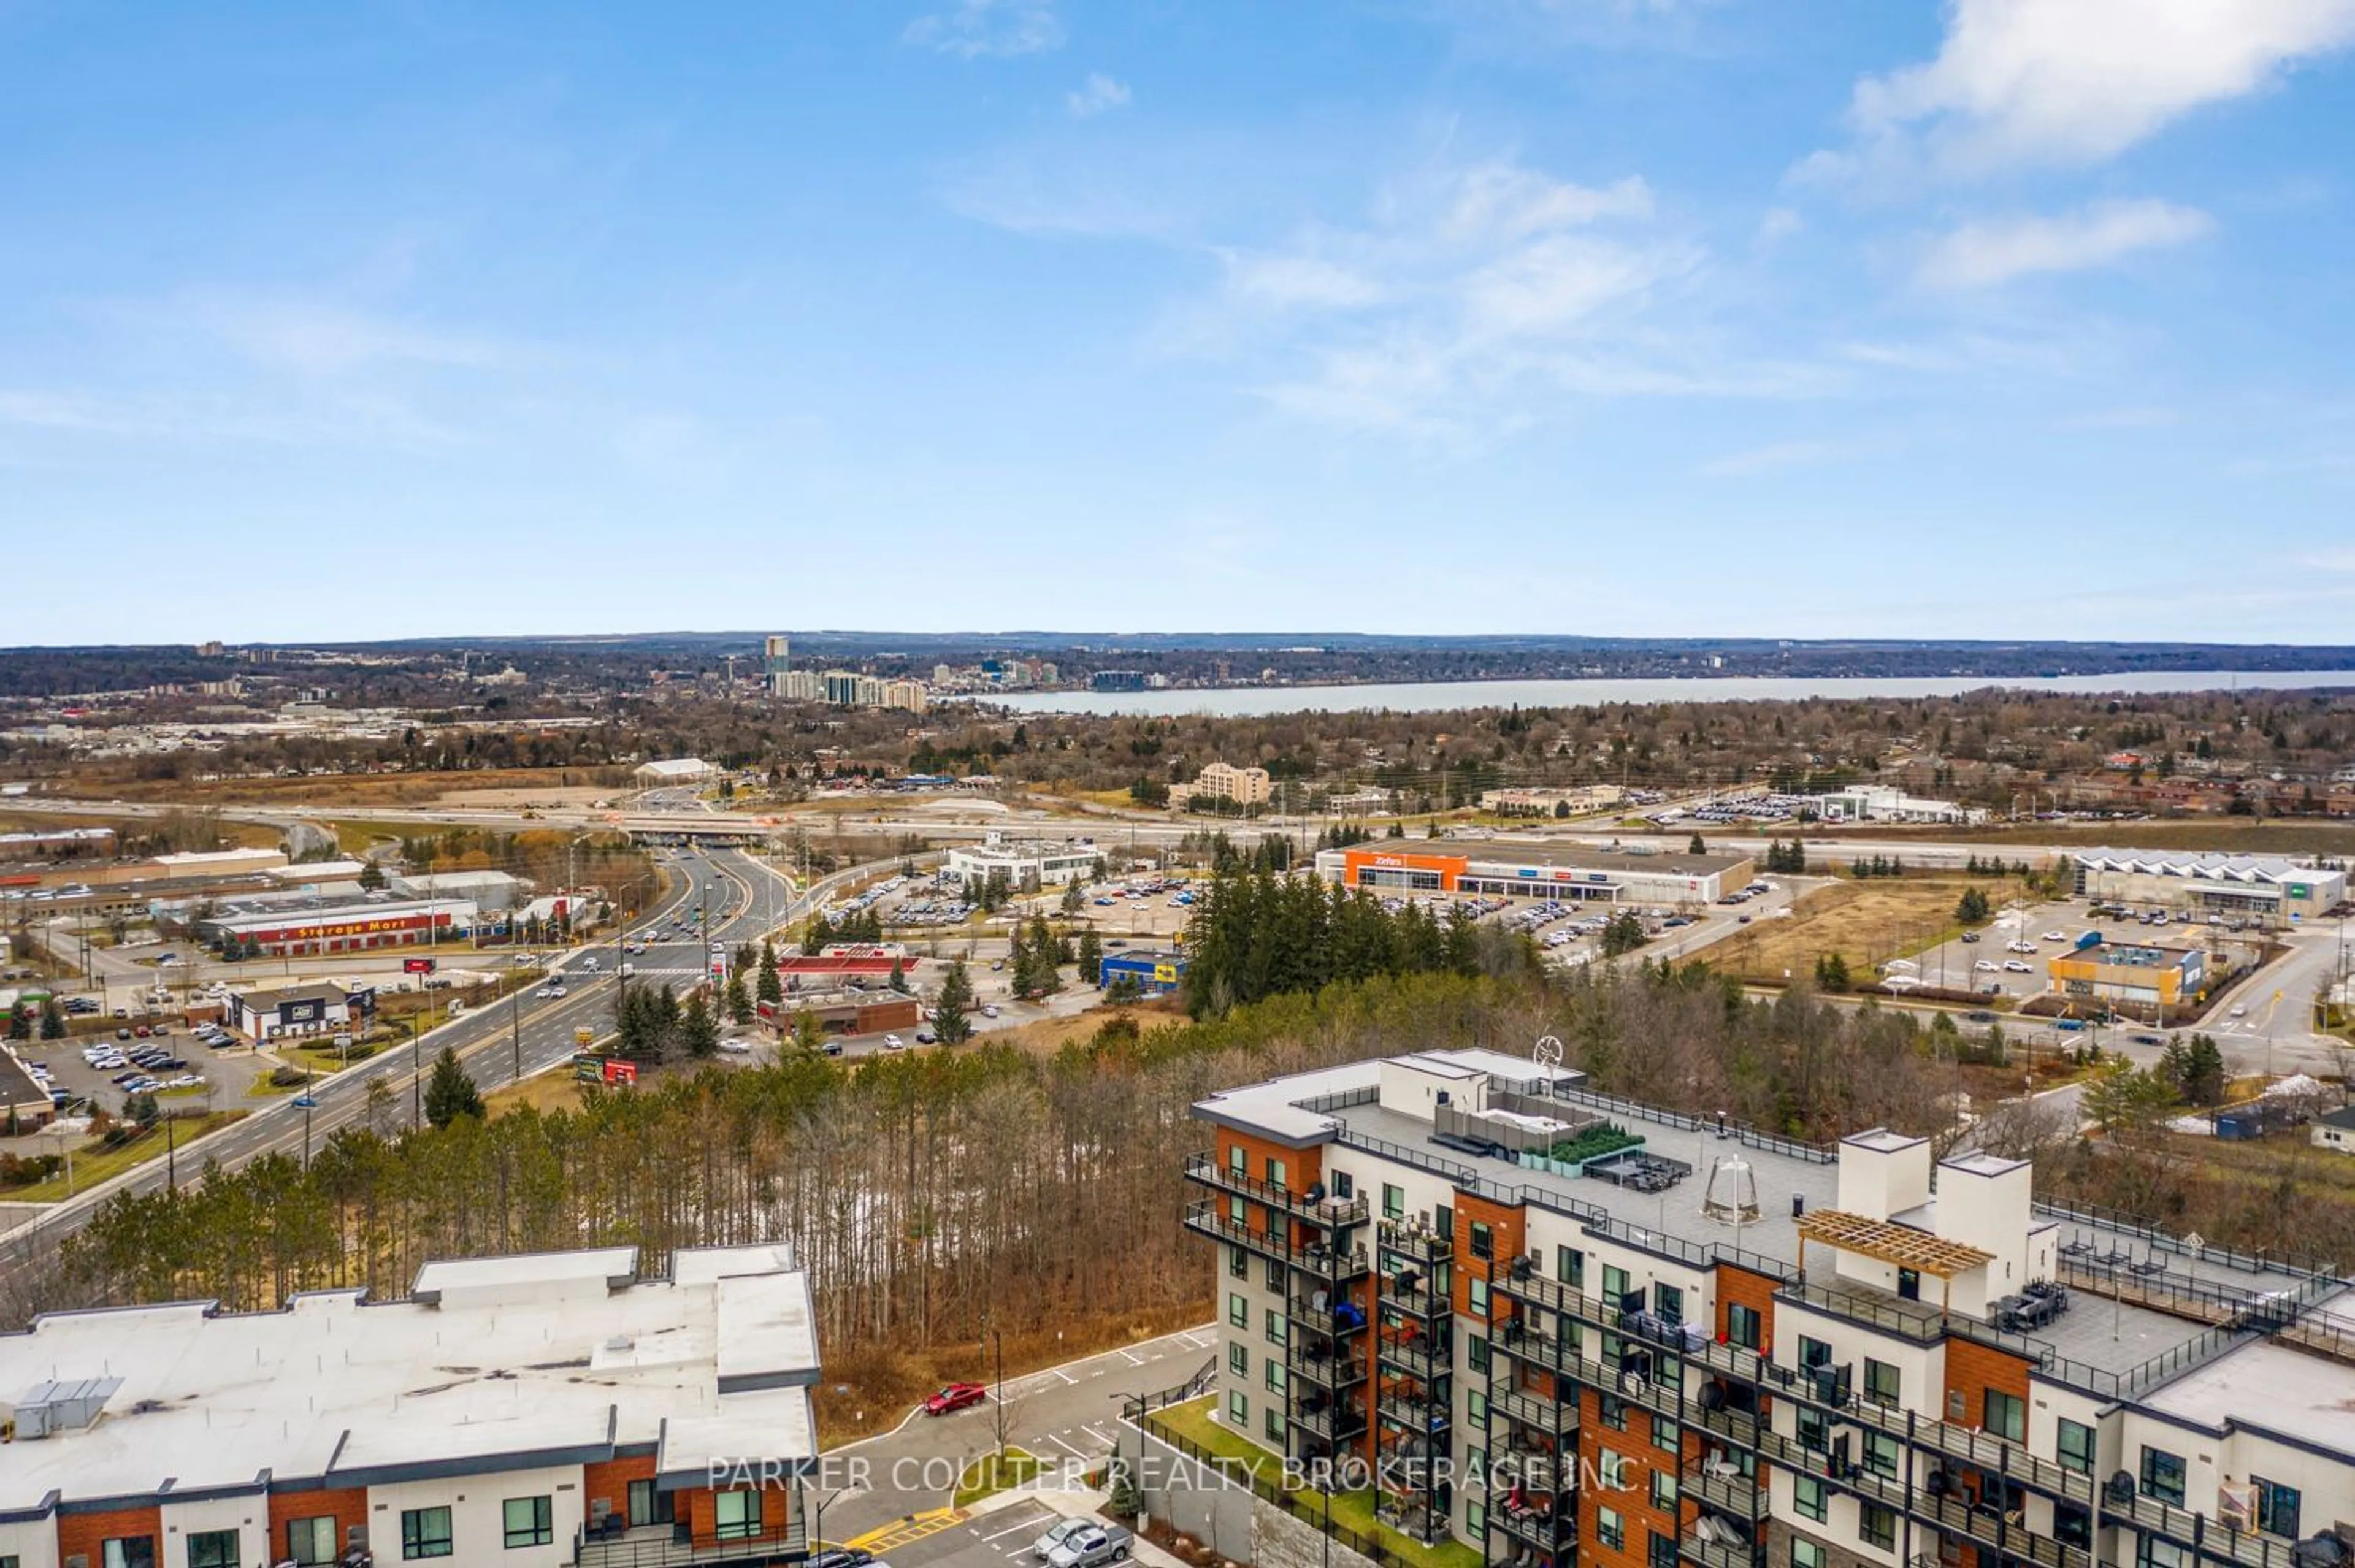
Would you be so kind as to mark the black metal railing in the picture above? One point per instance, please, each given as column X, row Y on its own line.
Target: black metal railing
column 1344, row 1369
column 1416, row 1244
column 1331, row 1213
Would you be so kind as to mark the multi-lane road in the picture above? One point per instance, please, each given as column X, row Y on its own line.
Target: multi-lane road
column 743, row 897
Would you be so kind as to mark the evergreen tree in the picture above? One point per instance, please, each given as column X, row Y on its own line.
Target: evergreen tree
column 371, row 877
column 899, row 975
column 449, row 1094
column 1090, row 957
column 739, row 999
column 20, row 1023
column 952, row 1009
column 698, row 1030
column 1972, row 908
column 53, row 1020
column 1698, row 848
column 767, row 988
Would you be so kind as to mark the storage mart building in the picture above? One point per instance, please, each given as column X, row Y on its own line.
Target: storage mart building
column 1732, row 1350
column 1511, row 870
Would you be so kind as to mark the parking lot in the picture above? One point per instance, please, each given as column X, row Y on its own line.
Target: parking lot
column 2008, row 960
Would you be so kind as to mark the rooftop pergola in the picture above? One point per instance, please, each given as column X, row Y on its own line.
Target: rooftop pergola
column 1887, row 1241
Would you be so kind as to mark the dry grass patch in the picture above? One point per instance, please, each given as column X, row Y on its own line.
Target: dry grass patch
column 1865, row 923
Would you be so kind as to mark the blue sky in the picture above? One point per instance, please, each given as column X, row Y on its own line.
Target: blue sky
column 1989, row 318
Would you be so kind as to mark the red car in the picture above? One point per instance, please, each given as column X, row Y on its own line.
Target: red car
column 956, row 1396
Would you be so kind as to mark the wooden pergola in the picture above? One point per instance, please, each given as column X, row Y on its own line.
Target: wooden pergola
column 1888, row 1241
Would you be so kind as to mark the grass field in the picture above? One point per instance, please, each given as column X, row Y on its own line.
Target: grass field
column 92, row 1165
column 994, row 1473
column 1865, row 923
column 241, row 835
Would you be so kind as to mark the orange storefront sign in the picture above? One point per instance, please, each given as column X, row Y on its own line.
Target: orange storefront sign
column 1449, row 867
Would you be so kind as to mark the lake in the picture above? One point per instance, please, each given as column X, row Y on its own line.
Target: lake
column 1432, row 697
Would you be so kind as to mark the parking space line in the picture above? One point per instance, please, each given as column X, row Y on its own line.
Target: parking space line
column 1022, row 1524
column 1102, row 1437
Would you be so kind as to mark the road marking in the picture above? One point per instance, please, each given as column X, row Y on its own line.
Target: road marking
column 1132, row 1358
column 1102, row 1437
column 1067, row 1448
column 1009, row 1529
column 908, row 1530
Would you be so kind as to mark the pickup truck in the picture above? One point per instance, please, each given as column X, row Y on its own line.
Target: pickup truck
column 1091, row 1548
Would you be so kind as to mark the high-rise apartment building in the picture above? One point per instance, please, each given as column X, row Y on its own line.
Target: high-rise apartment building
column 1562, row 1328
column 777, row 666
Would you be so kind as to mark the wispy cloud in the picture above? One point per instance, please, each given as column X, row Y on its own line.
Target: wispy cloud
column 1097, row 94
column 2330, row 560
column 1982, row 253
column 323, row 337
column 1777, row 225
column 2146, row 417
column 2076, row 81
column 1767, row 459
column 973, row 29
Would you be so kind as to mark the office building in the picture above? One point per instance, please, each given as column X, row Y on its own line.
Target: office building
column 1562, row 873
column 1723, row 1348
column 673, row 770
column 1224, row 781
column 1885, row 803
column 290, row 1011
column 1027, row 863
column 2140, row 972
column 2265, row 888
column 1157, row 971
column 531, row 1411
column 1550, row 801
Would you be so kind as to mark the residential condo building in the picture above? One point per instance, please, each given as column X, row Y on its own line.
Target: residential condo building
column 1723, row 1347
column 526, row 1411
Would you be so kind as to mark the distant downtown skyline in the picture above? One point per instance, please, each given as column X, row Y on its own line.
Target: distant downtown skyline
column 1986, row 318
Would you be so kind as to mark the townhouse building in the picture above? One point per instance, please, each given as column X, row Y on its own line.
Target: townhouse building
column 1561, row 1327
column 532, row 1410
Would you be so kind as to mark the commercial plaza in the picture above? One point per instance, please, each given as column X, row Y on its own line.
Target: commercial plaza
column 1506, row 869
column 1723, row 1348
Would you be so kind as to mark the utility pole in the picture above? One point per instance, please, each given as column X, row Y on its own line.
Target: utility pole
column 515, row 1028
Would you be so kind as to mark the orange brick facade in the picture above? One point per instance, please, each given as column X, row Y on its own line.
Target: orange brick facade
column 1508, row 1236
column 1971, row 1370
column 1739, row 1287
column 608, row 1482
column 699, row 1507
column 1638, row 1457
column 86, row 1534
column 348, row 1505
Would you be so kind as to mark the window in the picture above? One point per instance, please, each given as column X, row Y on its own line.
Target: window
column 1484, row 1240
column 1238, row 1263
column 1276, row 1276
column 1661, row 1549
column 1614, row 1411
column 1476, row 1408
column 1476, row 1518
column 2162, row 1475
column 1610, row 1530
column 315, row 1540
column 1239, row 1360
column 1815, row 1430
column 1393, row 1201
column 1236, row 1214
column 1807, row 1497
column 1880, row 1453
column 1476, row 1352
column 736, row 1516
column 1668, row 1435
column 1238, row 1411
column 1813, row 1353
column 1345, row 1185
column 2150, row 1551
column 1238, row 1159
column 1743, row 1326
column 1614, row 1283
column 1876, row 1525
column 1478, row 1297
column 1274, row 1327
column 1612, row 1466
column 2277, row 1507
column 1273, row 1424
column 1570, row 1266
column 530, row 1521
column 210, row 1549
column 2073, row 1524
column 1806, row 1554
column 1276, row 1172
column 2075, row 1444
column 1668, row 1301
column 2006, row 1415
column 1880, row 1384
column 128, row 1552
column 1275, row 1375
column 424, row 1532
column 1664, row 1490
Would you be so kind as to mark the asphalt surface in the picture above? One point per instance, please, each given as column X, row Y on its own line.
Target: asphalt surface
column 891, row 1493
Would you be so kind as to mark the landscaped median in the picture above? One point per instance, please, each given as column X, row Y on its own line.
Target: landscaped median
column 99, row 1160
column 1188, row 1428
column 996, row 1472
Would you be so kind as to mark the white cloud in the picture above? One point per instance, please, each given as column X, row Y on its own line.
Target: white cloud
column 320, row 337
column 1505, row 201
column 2076, row 81
column 1301, row 279
column 1989, row 251
column 2330, row 560
column 1778, row 224
column 974, row 28
column 1099, row 93
column 1766, row 459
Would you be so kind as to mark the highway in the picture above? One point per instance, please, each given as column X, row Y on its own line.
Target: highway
column 745, row 897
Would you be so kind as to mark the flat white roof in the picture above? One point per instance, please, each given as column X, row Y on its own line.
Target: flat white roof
column 541, row 1359
column 2289, row 1390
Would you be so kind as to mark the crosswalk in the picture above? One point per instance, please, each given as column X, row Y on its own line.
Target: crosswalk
column 908, row 1532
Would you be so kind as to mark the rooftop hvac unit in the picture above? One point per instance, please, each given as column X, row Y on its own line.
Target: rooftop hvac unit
column 65, row 1406
column 1732, row 1195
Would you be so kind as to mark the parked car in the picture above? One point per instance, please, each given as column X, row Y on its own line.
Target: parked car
column 1061, row 1531
column 1089, row 1548
column 956, row 1397
column 893, row 1043
column 842, row 1557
